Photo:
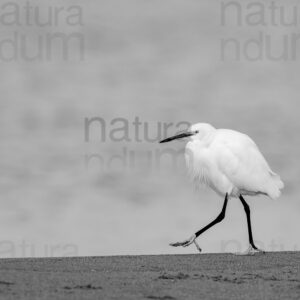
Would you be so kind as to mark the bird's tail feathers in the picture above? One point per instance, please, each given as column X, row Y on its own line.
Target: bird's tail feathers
column 275, row 186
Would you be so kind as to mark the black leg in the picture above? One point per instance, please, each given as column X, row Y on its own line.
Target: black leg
column 247, row 210
column 219, row 218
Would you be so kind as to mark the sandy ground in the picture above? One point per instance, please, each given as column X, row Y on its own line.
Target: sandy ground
column 207, row 276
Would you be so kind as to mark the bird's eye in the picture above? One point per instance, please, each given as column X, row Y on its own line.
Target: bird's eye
column 196, row 131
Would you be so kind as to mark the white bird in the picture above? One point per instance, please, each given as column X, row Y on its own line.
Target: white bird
column 231, row 164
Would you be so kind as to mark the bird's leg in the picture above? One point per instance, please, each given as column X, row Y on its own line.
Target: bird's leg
column 250, row 251
column 187, row 242
column 252, row 248
column 192, row 239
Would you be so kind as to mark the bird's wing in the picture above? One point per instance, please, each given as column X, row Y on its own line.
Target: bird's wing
column 241, row 161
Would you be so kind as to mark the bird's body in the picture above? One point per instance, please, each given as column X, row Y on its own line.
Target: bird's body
column 230, row 163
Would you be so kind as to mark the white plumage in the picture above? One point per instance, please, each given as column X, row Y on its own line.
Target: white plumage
column 229, row 162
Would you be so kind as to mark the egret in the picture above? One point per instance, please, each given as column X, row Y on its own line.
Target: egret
column 230, row 163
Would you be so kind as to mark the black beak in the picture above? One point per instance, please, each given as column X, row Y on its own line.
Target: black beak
column 178, row 136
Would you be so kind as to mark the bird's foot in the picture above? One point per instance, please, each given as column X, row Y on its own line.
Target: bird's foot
column 251, row 251
column 187, row 242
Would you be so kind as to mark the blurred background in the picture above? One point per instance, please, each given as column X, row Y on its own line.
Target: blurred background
column 143, row 69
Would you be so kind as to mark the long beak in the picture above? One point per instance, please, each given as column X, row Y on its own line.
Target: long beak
column 178, row 136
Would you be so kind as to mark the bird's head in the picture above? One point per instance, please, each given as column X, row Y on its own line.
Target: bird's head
column 197, row 131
